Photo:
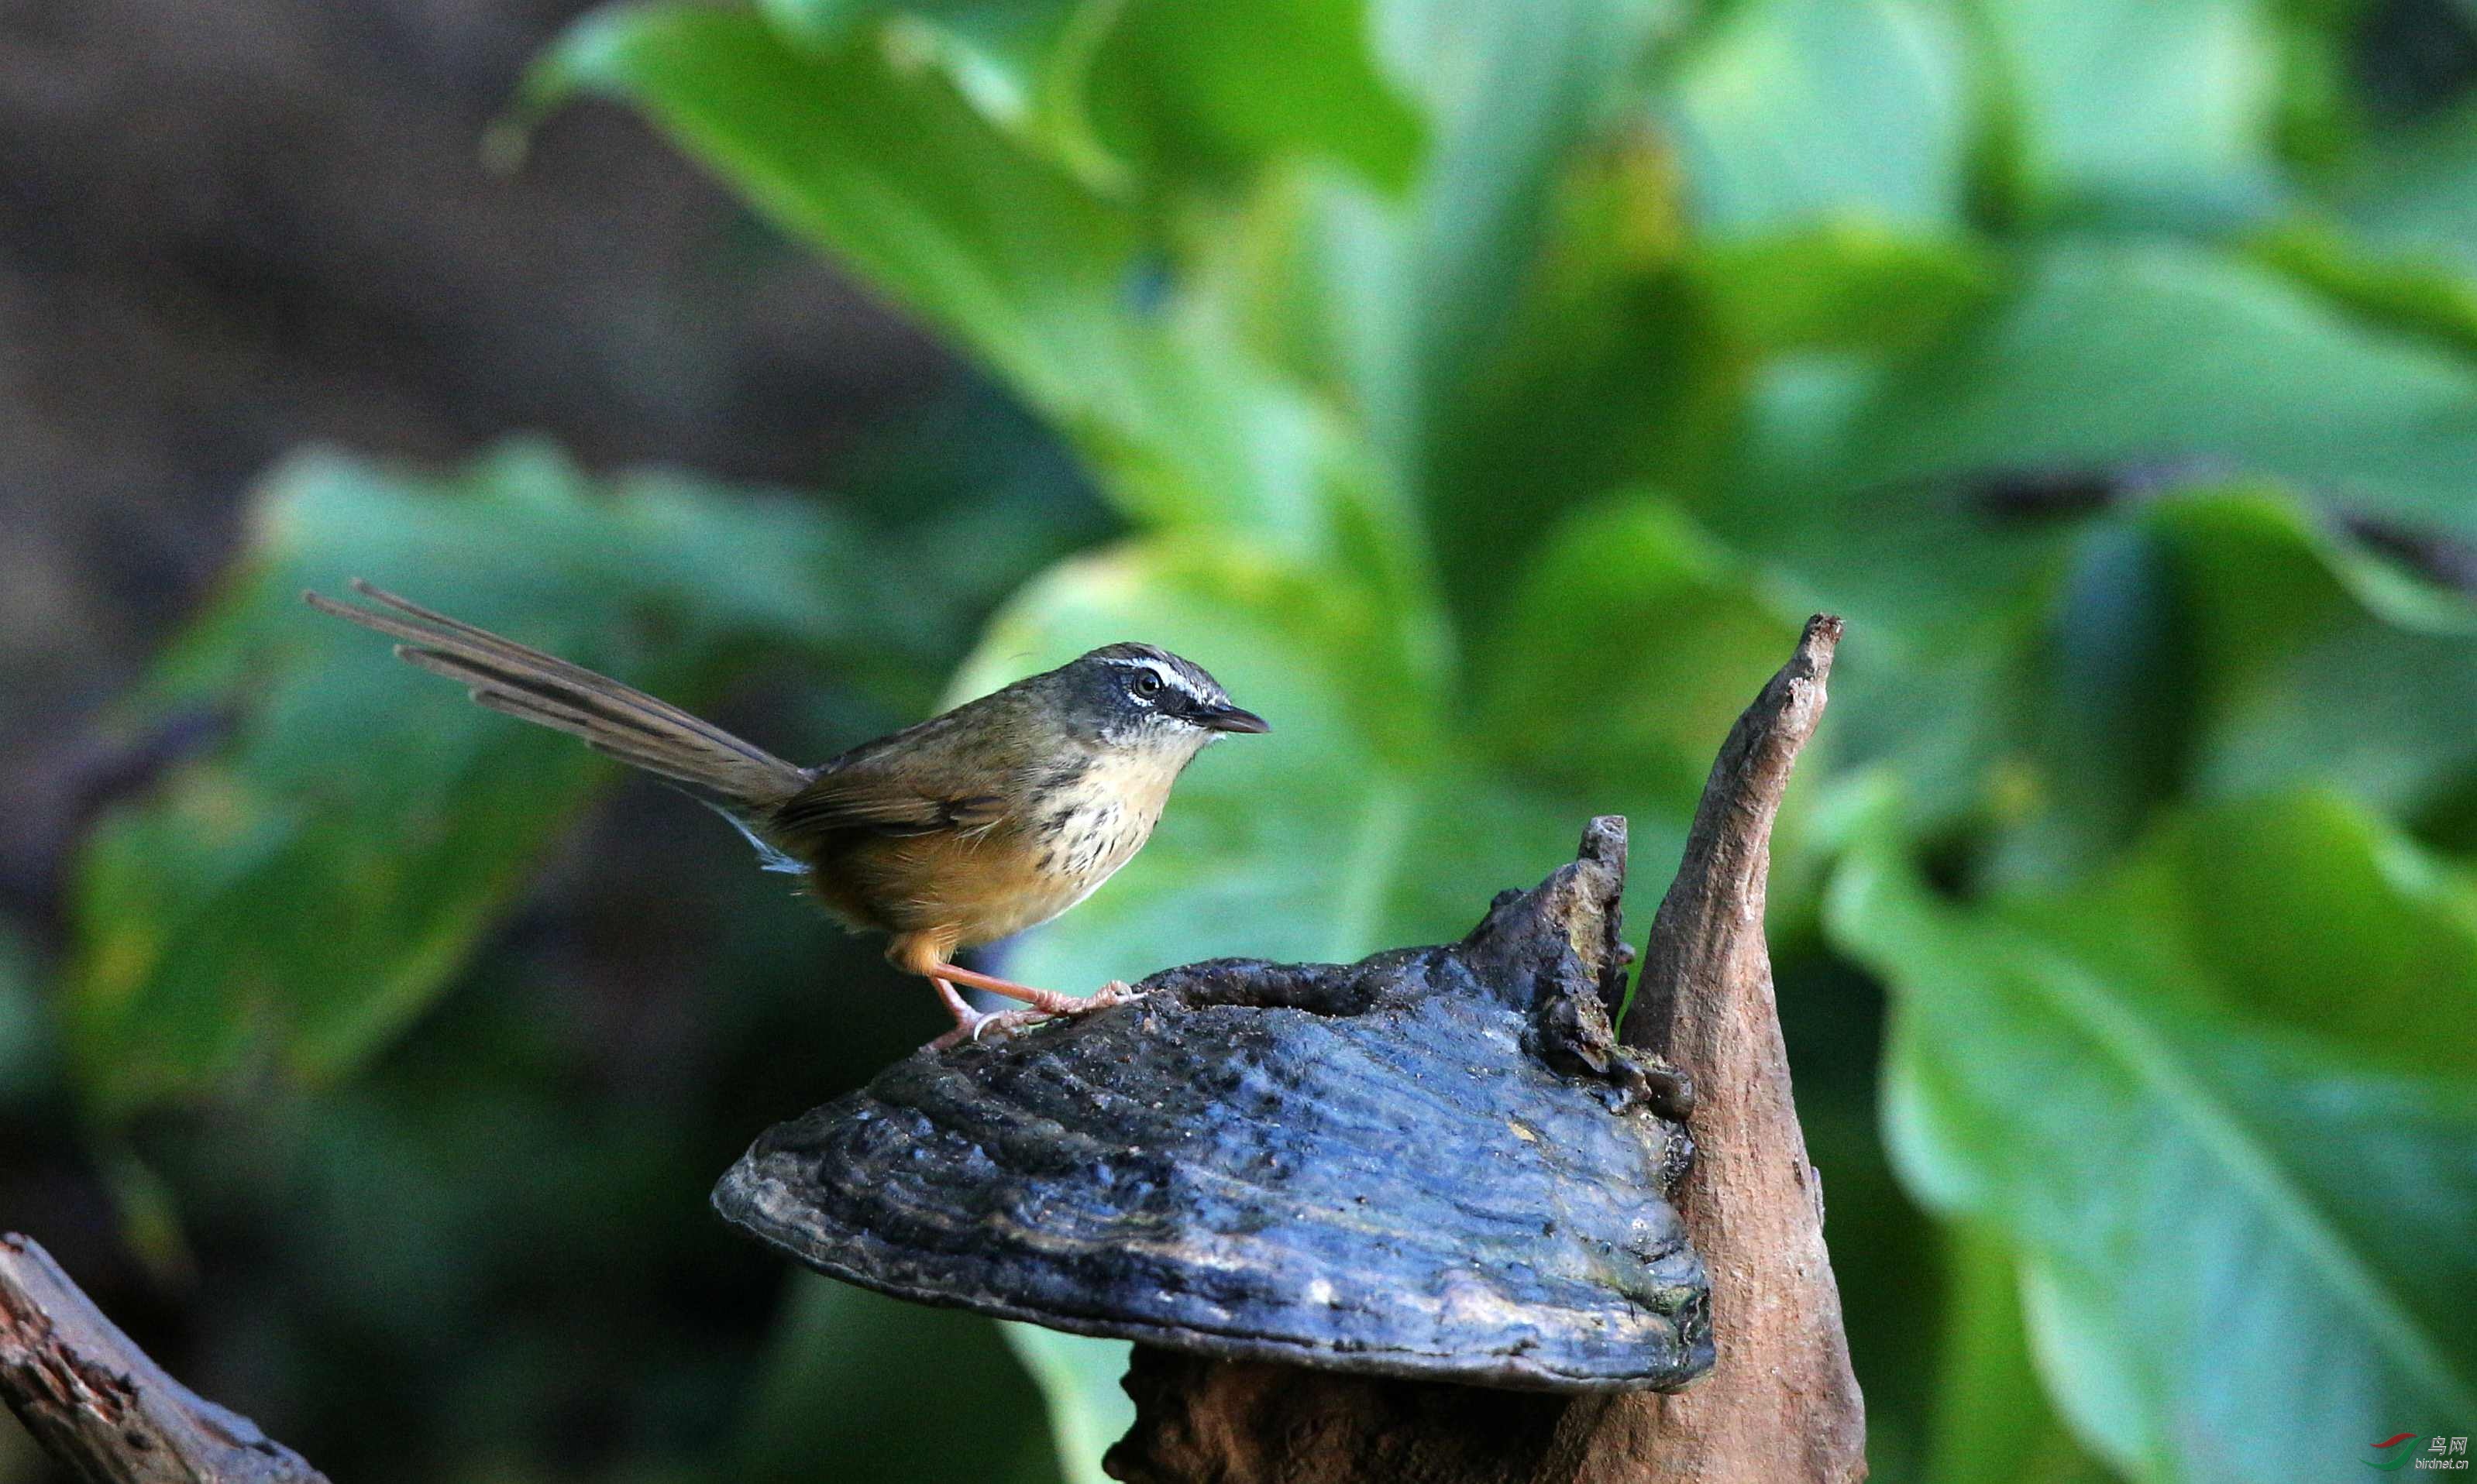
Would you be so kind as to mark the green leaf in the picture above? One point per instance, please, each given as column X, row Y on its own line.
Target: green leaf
column 1231, row 86
column 1515, row 334
column 2169, row 1091
column 1138, row 95
column 2412, row 289
column 2113, row 726
column 1618, row 369
column 1993, row 1423
column 2299, row 637
column 2110, row 355
column 1078, row 1376
column 2278, row 901
column 1423, row 288
column 1844, row 288
column 1799, row 112
column 292, row 898
column 1895, row 541
column 1045, row 278
column 1025, row 65
column 1630, row 355
column 2145, row 111
column 2415, row 188
column 1565, row 703
column 894, row 171
column 824, row 23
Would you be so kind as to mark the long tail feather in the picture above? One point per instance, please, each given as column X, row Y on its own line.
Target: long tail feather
column 619, row 721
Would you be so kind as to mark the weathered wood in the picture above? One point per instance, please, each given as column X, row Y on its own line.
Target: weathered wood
column 100, row 1405
column 1780, row 1402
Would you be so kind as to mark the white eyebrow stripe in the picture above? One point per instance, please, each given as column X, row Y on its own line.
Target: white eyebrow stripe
column 1169, row 673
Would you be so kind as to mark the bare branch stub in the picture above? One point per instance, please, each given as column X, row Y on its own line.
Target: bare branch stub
column 101, row 1406
column 1780, row 1402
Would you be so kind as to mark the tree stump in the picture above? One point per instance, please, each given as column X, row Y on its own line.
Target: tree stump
column 1781, row 1403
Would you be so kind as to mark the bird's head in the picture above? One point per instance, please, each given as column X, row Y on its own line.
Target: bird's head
column 1141, row 695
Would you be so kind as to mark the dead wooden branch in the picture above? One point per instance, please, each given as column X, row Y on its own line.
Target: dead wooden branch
column 1780, row 1402
column 95, row 1400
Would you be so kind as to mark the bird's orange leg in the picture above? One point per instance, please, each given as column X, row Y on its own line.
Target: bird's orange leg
column 964, row 1015
column 1047, row 1001
column 924, row 955
column 969, row 1022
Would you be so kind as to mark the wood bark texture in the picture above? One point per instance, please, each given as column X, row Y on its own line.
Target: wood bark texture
column 1780, row 1406
column 99, row 1405
column 1781, row 1403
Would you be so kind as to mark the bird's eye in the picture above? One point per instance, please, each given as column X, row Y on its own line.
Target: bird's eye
column 1146, row 684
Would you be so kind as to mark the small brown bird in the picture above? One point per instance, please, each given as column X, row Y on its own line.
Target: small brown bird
column 991, row 818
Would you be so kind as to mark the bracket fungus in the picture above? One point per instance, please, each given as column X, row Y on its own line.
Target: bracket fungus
column 1435, row 1163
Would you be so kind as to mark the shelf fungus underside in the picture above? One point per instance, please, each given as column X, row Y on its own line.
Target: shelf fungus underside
column 1433, row 1163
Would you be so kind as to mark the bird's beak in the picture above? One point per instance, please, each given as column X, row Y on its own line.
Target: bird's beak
column 1230, row 718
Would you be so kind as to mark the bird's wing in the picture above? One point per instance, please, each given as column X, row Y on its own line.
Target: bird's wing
column 868, row 799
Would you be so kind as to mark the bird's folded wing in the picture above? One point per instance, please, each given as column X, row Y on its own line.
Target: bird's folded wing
column 871, row 801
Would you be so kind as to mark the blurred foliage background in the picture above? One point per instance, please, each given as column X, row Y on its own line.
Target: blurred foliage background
column 1485, row 391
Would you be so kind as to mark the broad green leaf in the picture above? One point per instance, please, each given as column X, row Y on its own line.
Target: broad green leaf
column 1631, row 351
column 2398, row 238
column 2213, row 1121
column 2221, row 642
column 2412, row 289
column 824, row 23
column 1133, row 96
column 1565, row 703
column 2113, row 355
column 2141, row 111
column 1901, row 547
column 289, row 899
column 892, row 170
column 2113, row 725
column 2068, row 676
column 2415, row 188
column 1795, row 114
column 1025, row 65
column 1224, row 86
column 2298, row 638
column 1616, row 369
column 895, row 174
column 1079, row 1378
column 1843, row 288
column 1992, row 1423
column 2303, row 912
column 1423, row 287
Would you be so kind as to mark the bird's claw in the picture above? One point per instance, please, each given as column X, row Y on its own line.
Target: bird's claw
column 1005, row 1024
